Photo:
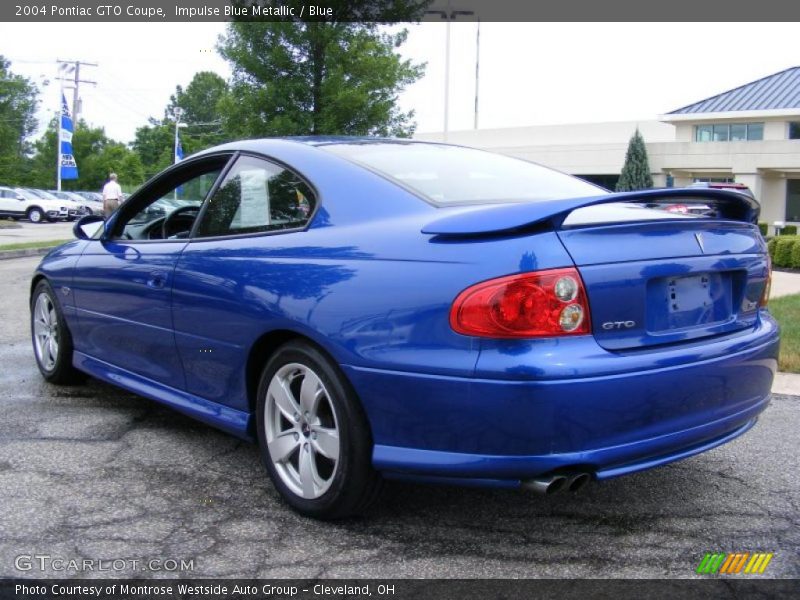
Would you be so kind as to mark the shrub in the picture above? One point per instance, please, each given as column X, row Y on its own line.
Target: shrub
column 783, row 251
column 764, row 227
column 789, row 230
column 771, row 243
column 795, row 262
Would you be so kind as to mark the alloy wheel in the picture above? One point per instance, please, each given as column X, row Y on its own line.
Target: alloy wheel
column 45, row 331
column 302, row 431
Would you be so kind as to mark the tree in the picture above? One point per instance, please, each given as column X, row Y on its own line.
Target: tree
column 636, row 170
column 154, row 144
column 18, row 102
column 316, row 78
column 201, row 105
column 199, row 101
column 96, row 155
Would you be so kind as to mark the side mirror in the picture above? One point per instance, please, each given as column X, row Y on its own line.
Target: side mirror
column 20, row 198
column 86, row 227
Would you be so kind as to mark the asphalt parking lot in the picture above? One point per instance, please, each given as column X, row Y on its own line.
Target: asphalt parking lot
column 92, row 472
column 25, row 231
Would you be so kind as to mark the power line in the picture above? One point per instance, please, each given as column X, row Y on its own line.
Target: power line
column 74, row 66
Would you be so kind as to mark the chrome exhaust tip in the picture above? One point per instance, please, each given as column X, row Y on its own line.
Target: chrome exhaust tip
column 546, row 486
column 576, row 482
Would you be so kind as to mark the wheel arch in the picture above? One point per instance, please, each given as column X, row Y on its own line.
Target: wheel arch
column 263, row 349
column 37, row 277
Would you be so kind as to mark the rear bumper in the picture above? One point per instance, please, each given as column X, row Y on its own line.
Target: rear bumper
column 498, row 431
column 605, row 463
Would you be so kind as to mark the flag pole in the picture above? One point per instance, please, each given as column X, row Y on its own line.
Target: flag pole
column 58, row 145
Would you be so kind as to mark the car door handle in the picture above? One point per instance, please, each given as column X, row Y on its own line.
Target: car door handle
column 157, row 280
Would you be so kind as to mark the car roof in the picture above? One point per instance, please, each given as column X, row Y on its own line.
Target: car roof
column 323, row 140
column 265, row 145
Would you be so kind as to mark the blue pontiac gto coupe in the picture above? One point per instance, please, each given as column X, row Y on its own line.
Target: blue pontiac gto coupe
column 373, row 308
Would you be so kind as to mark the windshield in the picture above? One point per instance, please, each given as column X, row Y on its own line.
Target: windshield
column 453, row 175
column 41, row 194
column 26, row 194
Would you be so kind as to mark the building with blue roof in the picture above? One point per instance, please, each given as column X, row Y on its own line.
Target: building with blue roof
column 749, row 134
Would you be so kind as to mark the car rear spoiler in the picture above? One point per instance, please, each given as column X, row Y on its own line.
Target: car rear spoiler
column 509, row 217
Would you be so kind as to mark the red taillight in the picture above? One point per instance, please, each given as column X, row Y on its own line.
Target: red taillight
column 540, row 304
column 767, row 285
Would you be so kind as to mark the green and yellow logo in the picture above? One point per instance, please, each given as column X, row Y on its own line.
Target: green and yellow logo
column 734, row 564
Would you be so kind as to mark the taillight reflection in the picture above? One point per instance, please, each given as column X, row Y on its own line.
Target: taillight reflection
column 767, row 285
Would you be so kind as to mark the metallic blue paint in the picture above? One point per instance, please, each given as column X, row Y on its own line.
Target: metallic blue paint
column 490, row 218
column 177, row 321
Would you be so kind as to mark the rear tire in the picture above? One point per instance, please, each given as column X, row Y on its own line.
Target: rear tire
column 313, row 435
column 52, row 341
column 35, row 215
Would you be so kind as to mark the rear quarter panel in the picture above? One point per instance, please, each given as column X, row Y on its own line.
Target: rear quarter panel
column 362, row 281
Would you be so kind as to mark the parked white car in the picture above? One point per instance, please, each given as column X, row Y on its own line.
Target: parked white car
column 22, row 204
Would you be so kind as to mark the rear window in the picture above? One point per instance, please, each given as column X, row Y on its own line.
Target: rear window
column 455, row 175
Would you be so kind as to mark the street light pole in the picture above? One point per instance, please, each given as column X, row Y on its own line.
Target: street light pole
column 448, row 14
column 447, row 77
column 177, row 112
column 477, row 69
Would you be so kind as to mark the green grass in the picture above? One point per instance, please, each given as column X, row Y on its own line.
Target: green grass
column 787, row 311
column 24, row 245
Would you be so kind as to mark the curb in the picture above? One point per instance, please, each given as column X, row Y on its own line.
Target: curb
column 786, row 383
column 23, row 252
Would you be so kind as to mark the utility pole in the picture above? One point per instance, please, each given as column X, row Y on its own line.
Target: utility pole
column 66, row 67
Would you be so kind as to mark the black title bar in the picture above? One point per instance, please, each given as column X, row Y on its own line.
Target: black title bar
column 394, row 589
column 157, row 11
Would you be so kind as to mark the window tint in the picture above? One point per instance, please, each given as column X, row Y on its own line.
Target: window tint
column 190, row 193
column 738, row 132
column 793, row 200
column 257, row 196
column 794, row 130
column 721, row 133
column 703, row 133
column 733, row 132
column 755, row 131
column 451, row 174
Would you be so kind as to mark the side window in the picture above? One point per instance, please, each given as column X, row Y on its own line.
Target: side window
column 171, row 208
column 257, row 196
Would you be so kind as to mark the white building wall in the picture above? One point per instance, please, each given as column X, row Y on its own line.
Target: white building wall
column 599, row 149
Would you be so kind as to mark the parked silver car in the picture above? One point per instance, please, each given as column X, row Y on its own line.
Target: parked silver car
column 84, row 205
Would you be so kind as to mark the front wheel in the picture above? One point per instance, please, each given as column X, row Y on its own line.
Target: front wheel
column 35, row 215
column 313, row 435
column 52, row 342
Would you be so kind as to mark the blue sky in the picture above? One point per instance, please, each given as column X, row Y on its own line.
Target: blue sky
column 531, row 73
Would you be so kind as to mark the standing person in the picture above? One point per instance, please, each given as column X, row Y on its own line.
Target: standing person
column 112, row 195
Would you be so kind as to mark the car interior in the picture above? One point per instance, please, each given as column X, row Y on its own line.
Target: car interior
column 255, row 196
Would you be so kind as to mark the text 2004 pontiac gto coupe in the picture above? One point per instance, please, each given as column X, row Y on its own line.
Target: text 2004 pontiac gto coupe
column 372, row 308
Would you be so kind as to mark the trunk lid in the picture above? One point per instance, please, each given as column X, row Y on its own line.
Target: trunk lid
column 660, row 266
column 668, row 280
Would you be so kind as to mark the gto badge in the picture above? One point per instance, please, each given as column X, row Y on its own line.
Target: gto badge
column 608, row 325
